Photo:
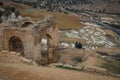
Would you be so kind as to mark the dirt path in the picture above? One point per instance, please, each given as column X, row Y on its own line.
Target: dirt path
column 28, row 72
column 11, row 68
column 92, row 61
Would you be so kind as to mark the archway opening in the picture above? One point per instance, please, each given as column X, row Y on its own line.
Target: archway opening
column 26, row 24
column 46, row 51
column 15, row 44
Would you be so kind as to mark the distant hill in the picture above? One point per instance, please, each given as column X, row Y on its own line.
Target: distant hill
column 77, row 6
column 65, row 21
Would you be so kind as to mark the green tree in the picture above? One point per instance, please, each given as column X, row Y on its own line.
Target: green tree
column 1, row 13
column 7, row 11
column 17, row 13
column 12, row 9
column 1, row 3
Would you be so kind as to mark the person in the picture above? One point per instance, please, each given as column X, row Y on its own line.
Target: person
column 79, row 45
column 76, row 44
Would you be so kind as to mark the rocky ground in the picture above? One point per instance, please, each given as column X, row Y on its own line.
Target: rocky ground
column 91, row 36
column 13, row 67
column 25, row 72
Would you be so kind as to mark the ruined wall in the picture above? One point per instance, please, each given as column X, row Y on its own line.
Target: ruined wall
column 2, row 27
column 52, row 35
column 53, row 55
column 1, row 43
column 23, row 35
column 30, row 35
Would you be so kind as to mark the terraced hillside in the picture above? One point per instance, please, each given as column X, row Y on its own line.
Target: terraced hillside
column 63, row 20
column 77, row 6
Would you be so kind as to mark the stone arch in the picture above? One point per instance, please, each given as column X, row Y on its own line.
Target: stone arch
column 16, row 44
column 25, row 24
column 45, row 47
column 49, row 40
column 48, row 35
column 45, row 43
column 50, row 55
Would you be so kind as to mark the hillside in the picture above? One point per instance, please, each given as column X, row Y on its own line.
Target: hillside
column 87, row 50
column 13, row 67
column 64, row 21
column 77, row 6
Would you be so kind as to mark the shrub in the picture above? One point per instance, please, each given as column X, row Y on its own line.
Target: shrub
column 17, row 13
column 112, row 66
column 7, row 11
column 1, row 13
column 77, row 59
column 1, row 4
column 12, row 9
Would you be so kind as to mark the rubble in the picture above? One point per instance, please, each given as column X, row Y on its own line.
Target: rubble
column 92, row 34
column 34, row 37
column 27, row 61
column 4, row 51
column 66, row 45
column 55, row 64
column 95, row 36
column 95, row 69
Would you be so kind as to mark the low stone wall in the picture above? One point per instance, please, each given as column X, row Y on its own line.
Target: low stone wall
column 95, row 69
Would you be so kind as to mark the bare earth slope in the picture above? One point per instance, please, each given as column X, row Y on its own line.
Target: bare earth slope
column 11, row 68
column 27, row 72
column 108, row 6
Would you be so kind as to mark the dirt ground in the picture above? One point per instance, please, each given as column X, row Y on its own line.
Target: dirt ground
column 27, row 72
column 11, row 68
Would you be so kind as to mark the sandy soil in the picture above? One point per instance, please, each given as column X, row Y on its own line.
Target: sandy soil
column 27, row 72
column 93, row 60
column 12, row 69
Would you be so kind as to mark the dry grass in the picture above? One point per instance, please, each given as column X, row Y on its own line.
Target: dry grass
column 111, row 33
column 64, row 38
column 16, row 5
column 68, row 55
column 19, row 6
column 11, row 68
column 64, row 21
column 110, row 51
column 112, row 65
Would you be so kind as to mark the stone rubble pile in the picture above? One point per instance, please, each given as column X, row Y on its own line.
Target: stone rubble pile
column 64, row 45
column 92, row 34
column 95, row 36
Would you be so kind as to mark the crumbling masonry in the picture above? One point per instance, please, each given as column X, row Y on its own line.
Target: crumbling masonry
column 25, row 37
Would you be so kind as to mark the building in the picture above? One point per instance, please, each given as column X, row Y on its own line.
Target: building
column 25, row 36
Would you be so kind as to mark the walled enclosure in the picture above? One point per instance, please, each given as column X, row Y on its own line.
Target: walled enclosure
column 25, row 37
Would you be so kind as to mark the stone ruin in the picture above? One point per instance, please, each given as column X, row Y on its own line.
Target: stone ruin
column 25, row 36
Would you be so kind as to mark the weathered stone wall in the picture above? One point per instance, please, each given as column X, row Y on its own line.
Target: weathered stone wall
column 55, row 41
column 1, row 36
column 0, row 43
column 52, row 36
column 31, row 35
column 23, row 35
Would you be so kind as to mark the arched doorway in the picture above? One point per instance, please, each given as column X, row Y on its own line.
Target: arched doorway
column 26, row 24
column 50, row 49
column 15, row 44
column 46, row 48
